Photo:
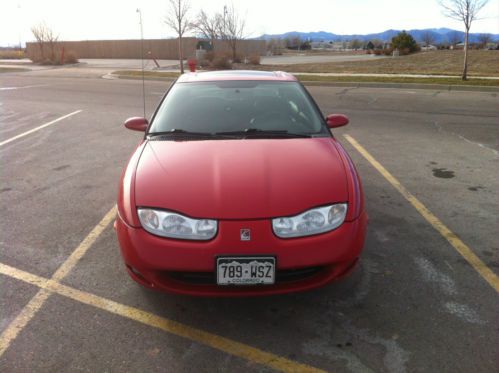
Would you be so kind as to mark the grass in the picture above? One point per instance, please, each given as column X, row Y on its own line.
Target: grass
column 11, row 69
column 380, row 79
column 11, row 54
column 147, row 74
column 321, row 78
column 445, row 62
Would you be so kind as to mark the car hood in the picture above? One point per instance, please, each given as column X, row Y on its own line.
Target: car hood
column 240, row 179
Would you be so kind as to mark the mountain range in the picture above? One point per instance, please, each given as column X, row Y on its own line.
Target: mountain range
column 439, row 35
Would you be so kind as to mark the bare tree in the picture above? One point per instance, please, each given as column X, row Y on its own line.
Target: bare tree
column 427, row 38
column 178, row 20
column 232, row 28
column 378, row 43
column 44, row 35
column 208, row 26
column 39, row 31
column 51, row 39
column 465, row 11
column 453, row 38
column 293, row 42
column 484, row 39
column 275, row 46
column 355, row 44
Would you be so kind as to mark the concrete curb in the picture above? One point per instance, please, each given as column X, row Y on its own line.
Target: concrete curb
column 129, row 77
column 439, row 87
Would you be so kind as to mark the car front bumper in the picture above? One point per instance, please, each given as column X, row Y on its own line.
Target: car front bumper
column 189, row 267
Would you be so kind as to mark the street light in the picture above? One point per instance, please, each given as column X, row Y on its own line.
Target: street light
column 20, row 28
column 142, row 59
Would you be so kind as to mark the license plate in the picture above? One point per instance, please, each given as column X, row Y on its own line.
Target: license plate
column 245, row 270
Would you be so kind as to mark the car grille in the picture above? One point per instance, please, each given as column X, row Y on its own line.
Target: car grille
column 209, row 278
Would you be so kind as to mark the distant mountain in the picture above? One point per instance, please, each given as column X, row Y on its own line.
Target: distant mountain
column 440, row 35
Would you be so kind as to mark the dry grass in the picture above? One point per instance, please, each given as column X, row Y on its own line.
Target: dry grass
column 137, row 74
column 147, row 74
column 402, row 80
column 12, row 54
column 446, row 62
column 11, row 69
column 320, row 52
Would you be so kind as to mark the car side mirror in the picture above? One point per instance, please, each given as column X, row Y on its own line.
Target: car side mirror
column 136, row 124
column 336, row 120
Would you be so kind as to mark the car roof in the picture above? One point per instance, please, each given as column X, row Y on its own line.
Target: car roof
column 236, row 75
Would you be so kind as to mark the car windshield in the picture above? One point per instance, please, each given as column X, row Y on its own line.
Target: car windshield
column 239, row 107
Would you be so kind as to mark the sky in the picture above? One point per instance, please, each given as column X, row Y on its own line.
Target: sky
column 118, row 19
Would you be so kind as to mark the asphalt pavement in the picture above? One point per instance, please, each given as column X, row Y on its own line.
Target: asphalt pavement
column 414, row 304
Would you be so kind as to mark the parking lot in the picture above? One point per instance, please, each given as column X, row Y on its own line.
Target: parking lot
column 423, row 298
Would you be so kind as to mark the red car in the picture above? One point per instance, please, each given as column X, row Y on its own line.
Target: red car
column 239, row 188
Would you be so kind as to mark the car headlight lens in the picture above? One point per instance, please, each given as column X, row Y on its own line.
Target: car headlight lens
column 173, row 225
column 314, row 221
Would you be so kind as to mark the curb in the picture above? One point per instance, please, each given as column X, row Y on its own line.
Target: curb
column 129, row 77
column 440, row 87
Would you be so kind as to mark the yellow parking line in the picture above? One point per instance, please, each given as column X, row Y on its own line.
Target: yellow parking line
column 212, row 340
column 30, row 310
column 39, row 127
column 21, row 320
column 463, row 249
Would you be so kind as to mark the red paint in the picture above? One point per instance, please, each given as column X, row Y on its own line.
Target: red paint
column 240, row 179
column 336, row 120
column 127, row 209
column 136, row 124
column 153, row 256
column 242, row 184
column 355, row 191
column 236, row 75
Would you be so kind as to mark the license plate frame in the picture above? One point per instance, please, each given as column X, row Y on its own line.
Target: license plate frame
column 250, row 272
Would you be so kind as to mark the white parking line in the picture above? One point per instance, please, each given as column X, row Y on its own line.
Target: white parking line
column 26, row 86
column 39, row 127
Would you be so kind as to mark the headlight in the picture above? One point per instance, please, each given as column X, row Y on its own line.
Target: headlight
column 318, row 220
column 173, row 225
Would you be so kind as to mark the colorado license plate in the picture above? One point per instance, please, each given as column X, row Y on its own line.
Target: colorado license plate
column 246, row 270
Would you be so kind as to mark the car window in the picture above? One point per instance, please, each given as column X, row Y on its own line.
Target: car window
column 226, row 106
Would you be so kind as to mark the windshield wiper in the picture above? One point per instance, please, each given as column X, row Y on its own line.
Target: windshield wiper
column 256, row 132
column 178, row 131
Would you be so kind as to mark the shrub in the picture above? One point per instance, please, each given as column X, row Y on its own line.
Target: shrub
column 70, row 57
column 254, row 59
column 221, row 62
column 388, row 51
column 237, row 59
column 378, row 52
column 404, row 41
column 10, row 54
column 209, row 56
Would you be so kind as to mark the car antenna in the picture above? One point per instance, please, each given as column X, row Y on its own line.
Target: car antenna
column 142, row 61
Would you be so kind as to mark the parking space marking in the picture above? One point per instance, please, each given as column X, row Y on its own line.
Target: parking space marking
column 23, row 87
column 30, row 310
column 215, row 341
column 39, row 127
column 485, row 272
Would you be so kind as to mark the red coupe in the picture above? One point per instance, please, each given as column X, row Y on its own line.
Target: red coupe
column 239, row 188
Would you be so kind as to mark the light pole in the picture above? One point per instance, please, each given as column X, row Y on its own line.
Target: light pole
column 20, row 28
column 142, row 60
